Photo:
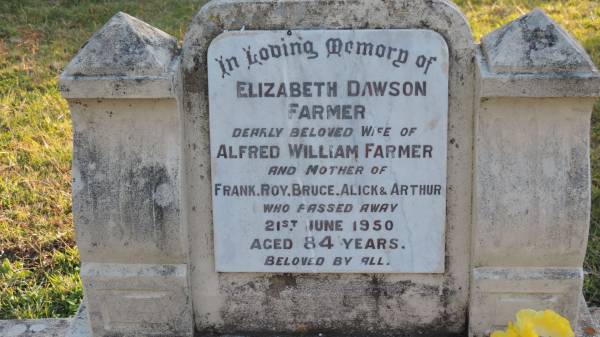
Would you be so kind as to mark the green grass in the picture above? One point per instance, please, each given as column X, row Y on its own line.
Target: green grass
column 39, row 263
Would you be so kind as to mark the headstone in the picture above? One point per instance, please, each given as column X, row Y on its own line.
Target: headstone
column 359, row 302
column 329, row 168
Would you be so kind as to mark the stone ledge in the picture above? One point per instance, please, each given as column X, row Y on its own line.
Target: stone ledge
column 75, row 87
column 52, row 327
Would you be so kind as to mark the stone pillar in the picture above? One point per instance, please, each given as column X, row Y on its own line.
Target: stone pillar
column 126, row 202
column 532, row 172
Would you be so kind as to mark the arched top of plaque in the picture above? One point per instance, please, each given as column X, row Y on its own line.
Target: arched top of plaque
column 218, row 16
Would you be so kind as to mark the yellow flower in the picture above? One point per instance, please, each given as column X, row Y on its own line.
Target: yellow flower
column 531, row 323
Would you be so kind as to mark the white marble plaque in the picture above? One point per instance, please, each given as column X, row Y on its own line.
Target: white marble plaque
column 329, row 150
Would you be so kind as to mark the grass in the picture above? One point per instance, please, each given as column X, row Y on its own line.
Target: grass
column 39, row 262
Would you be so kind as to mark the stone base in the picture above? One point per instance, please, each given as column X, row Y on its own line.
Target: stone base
column 498, row 293
column 130, row 300
column 78, row 326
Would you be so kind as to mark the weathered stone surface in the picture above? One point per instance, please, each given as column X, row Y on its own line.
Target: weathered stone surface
column 531, row 210
column 534, row 43
column 130, row 300
column 498, row 293
column 587, row 323
column 532, row 178
column 126, row 181
column 34, row 328
column 78, row 326
column 126, row 58
column 116, row 87
column 355, row 303
column 124, row 46
column 80, row 323
column 534, row 57
column 551, row 84
column 595, row 313
column 532, row 182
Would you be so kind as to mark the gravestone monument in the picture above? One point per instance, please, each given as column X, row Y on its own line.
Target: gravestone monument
column 331, row 168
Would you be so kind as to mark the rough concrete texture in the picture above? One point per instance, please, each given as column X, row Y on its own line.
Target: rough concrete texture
column 78, row 326
column 532, row 192
column 531, row 207
column 343, row 304
column 534, row 44
column 126, row 186
column 495, row 85
column 498, row 293
column 126, row 181
column 128, row 300
column 126, row 58
column 532, row 176
column 534, row 57
column 118, row 87
column 124, row 46
column 587, row 325
column 80, row 323
column 595, row 313
column 34, row 328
